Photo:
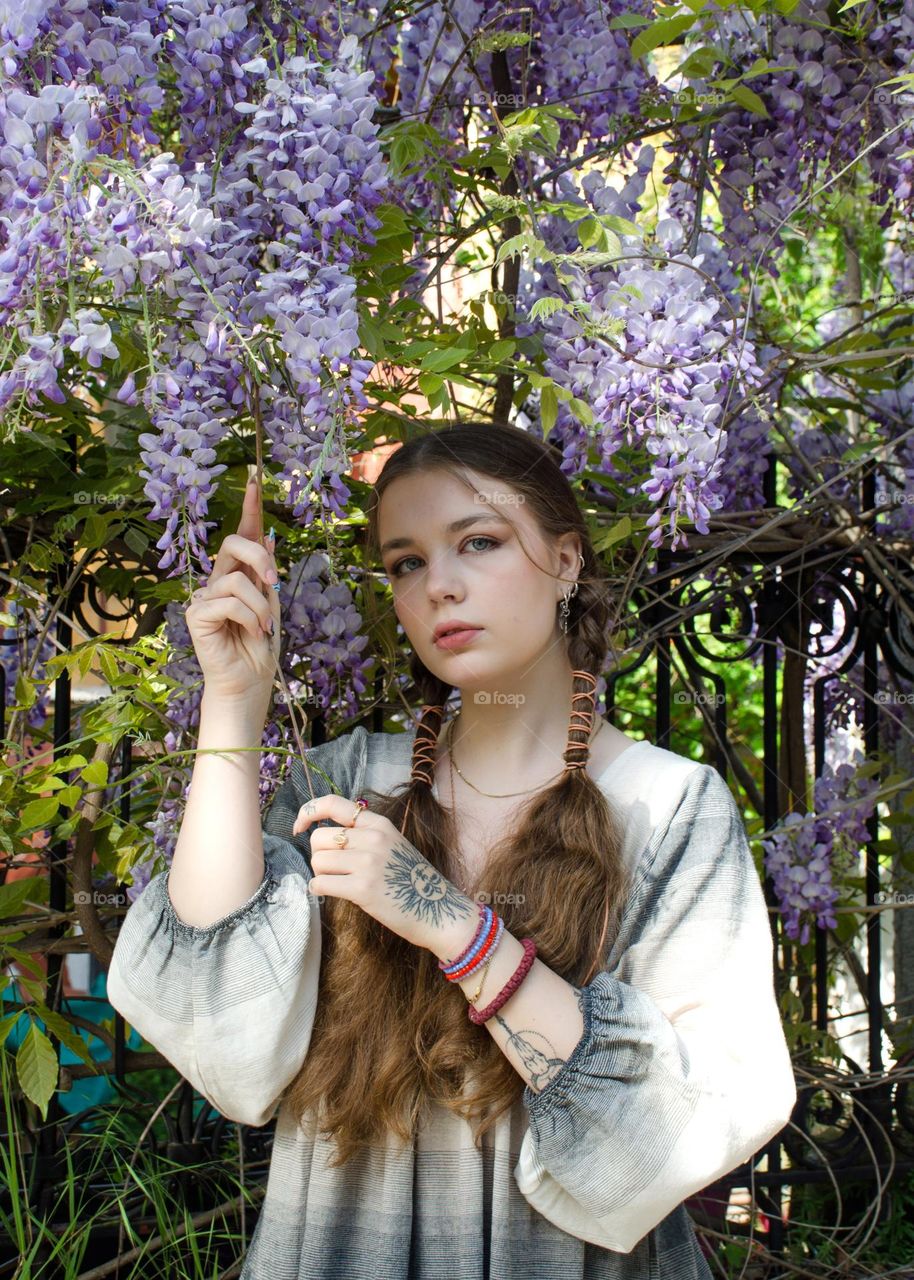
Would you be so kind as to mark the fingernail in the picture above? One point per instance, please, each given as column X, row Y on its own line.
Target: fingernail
column 271, row 535
column 252, row 480
column 277, row 586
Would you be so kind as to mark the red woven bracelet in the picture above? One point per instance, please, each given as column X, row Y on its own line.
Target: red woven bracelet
column 483, row 1015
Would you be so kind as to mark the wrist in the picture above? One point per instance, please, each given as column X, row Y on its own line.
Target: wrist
column 455, row 937
column 238, row 721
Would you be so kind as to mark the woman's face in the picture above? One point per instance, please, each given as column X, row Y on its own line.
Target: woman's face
column 476, row 573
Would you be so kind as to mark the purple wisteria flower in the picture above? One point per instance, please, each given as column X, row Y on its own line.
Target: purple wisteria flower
column 654, row 353
column 804, row 852
column 310, row 141
column 324, row 631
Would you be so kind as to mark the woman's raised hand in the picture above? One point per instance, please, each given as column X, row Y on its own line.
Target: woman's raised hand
column 229, row 619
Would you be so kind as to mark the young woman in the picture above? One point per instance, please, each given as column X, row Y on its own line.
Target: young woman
column 507, row 975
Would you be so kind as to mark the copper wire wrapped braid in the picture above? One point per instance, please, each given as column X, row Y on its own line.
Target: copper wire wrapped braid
column 585, row 716
column 424, row 746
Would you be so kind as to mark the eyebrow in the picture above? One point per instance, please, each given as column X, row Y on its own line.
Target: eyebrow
column 454, row 527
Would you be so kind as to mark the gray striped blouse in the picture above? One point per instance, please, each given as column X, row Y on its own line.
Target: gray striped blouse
column 681, row 1074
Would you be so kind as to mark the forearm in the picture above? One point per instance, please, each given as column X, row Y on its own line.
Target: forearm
column 540, row 1024
column 218, row 859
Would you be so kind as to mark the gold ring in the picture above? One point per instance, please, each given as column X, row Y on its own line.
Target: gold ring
column 341, row 839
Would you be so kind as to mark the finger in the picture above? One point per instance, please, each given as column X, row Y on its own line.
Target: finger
column 239, row 551
column 236, row 584
column 251, row 523
column 335, row 808
column 221, row 608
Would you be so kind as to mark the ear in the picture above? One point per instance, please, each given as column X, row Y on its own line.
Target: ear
column 569, row 553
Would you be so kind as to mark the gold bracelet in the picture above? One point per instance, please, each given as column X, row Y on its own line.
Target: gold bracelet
column 475, row 996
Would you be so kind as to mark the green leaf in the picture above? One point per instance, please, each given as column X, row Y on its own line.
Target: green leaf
column 628, row 21
column 137, row 541
column 621, row 529
column 441, row 400
column 67, row 1034
column 518, row 244
column 66, row 763
column 95, row 531
column 614, row 222
column 589, row 232
column 549, row 408
column 36, row 1067
column 370, row 338
column 7, row 1024
column 96, row 773
column 495, row 41
column 860, row 450
column 393, row 221
column 404, row 151
column 545, row 307
column 664, row 31
column 430, row 383
column 26, row 691
column 502, row 350
column 415, row 350
column 445, row 358
column 39, row 813
column 108, row 664
column 14, row 894
column 582, row 411
column 701, row 62
column 748, row 98
column 28, row 963
column 67, row 797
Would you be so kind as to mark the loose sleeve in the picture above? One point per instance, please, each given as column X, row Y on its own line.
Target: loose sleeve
column 231, row 1004
column 682, row 1071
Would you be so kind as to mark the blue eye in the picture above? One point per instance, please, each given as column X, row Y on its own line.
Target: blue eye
column 397, row 570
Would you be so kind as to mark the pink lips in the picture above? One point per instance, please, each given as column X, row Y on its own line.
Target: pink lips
column 457, row 639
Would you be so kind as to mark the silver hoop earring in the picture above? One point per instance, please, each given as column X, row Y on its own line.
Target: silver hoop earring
column 564, row 609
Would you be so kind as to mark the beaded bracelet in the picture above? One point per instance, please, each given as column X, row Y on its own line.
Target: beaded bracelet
column 472, row 951
column 477, row 956
column 486, row 951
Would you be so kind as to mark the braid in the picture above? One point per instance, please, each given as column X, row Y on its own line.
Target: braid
column 424, row 746
column 588, row 644
column 581, row 721
column 426, row 741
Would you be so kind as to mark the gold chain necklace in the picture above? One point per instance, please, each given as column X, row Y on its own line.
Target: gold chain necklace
column 507, row 795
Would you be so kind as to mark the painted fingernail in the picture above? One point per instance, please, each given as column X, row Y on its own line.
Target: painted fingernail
column 277, row 586
column 272, row 534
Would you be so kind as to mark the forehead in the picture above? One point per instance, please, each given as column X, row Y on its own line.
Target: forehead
column 437, row 502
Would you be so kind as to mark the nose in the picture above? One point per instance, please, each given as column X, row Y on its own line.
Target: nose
column 442, row 580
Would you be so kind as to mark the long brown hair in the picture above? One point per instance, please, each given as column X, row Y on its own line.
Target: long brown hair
column 390, row 1034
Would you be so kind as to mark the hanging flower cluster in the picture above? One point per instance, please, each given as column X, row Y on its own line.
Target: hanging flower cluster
column 803, row 855
column 324, row 630
column 826, row 102
column 301, row 188
column 649, row 346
